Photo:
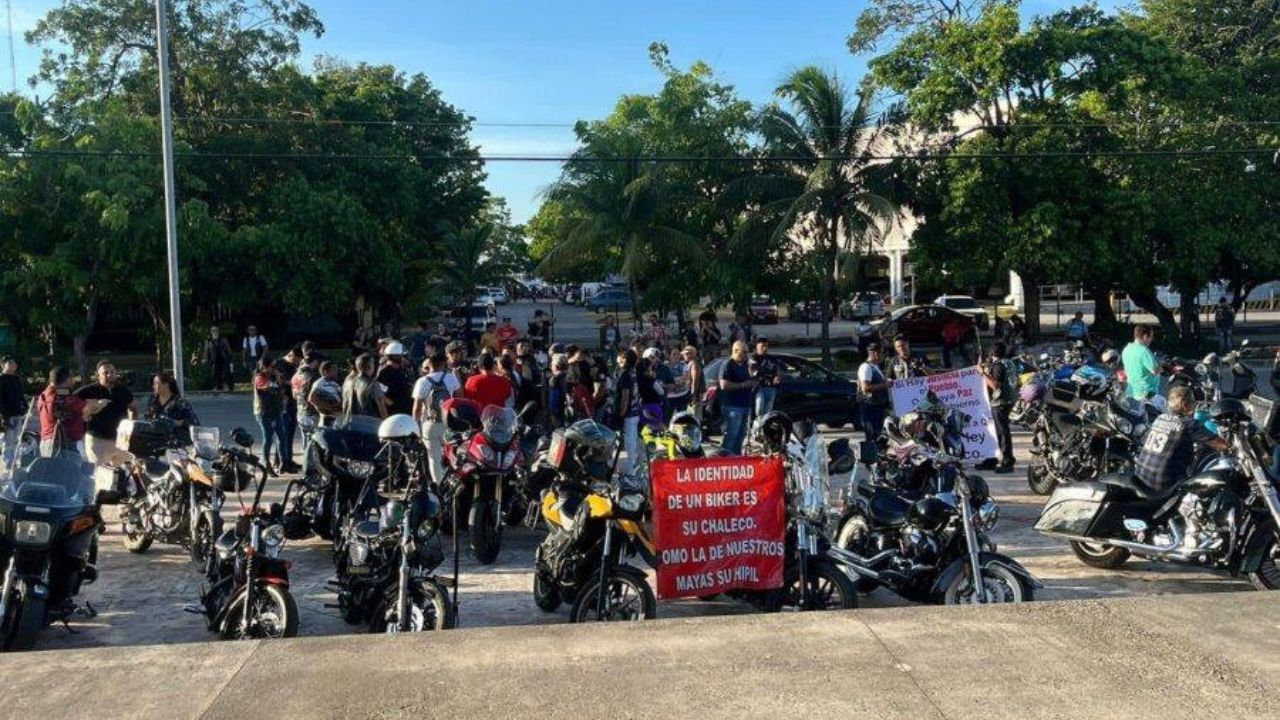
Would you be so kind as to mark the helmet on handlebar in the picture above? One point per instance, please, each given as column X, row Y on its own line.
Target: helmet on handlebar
column 231, row 474
column 772, row 432
column 687, row 431
column 584, row 447
column 399, row 428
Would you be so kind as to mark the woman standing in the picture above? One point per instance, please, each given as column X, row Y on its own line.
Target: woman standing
column 651, row 394
column 168, row 403
column 268, row 403
column 626, row 408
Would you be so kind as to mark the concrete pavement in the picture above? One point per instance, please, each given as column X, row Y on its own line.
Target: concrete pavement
column 1185, row 657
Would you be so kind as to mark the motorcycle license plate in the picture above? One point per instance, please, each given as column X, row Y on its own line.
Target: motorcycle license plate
column 358, row 570
column 419, row 574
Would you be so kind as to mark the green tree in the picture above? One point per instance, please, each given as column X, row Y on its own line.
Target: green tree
column 820, row 181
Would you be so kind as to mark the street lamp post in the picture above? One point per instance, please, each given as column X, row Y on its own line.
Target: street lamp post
column 170, row 199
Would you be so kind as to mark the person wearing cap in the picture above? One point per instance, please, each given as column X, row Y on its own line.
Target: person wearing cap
column 13, row 406
column 396, row 379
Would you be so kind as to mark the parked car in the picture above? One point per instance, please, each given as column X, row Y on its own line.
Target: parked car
column 483, row 297
column 966, row 306
column 808, row 391
column 499, row 295
column 862, row 306
column 609, row 300
column 572, row 296
column 764, row 311
column 921, row 324
column 805, row 311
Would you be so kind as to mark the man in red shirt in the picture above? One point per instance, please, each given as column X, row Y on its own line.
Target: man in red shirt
column 507, row 334
column 487, row 387
column 62, row 414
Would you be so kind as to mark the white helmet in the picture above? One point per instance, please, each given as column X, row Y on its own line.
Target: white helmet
column 652, row 353
column 399, row 428
column 393, row 348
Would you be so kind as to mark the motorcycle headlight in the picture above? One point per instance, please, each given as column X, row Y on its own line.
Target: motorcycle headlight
column 1124, row 426
column 631, row 503
column 273, row 540
column 32, row 532
column 359, row 469
column 989, row 515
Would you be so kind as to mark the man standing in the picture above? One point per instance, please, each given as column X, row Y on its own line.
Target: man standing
column 418, row 345
column 252, row 349
column 610, row 337
column 1001, row 389
column 1076, row 329
column 709, row 335
column 300, row 390
column 580, row 384
column 873, row 392
column 429, row 393
column 288, row 367
column 489, row 340
column 530, row 372
column 740, row 330
column 100, row 437
column 396, row 380
column 736, row 385
column 217, row 355
column 764, row 368
column 487, row 387
column 507, row 334
column 906, row 364
column 1224, row 319
column 1140, row 364
column 13, row 406
column 361, row 392
column 540, row 330
column 327, row 387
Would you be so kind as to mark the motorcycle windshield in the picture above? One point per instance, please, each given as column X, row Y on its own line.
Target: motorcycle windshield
column 61, row 481
column 498, row 425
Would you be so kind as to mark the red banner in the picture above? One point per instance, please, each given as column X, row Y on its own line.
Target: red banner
column 720, row 524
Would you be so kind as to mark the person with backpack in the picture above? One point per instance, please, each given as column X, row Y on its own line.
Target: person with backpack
column 435, row 386
column 1002, row 387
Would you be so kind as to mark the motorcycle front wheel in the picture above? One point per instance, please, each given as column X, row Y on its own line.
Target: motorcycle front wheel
column 828, row 588
column 628, row 597
column 1039, row 479
column 429, row 609
column 274, row 614
column 1267, row 577
column 546, row 591
column 486, row 531
column 202, row 545
column 1000, row 585
column 136, row 540
column 22, row 623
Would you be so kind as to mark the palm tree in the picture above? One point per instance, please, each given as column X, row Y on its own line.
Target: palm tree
column 617, row 213
column 468, row 261
column 819, row 178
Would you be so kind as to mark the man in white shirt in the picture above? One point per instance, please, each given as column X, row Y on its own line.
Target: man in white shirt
column 436, row 385
column 252, row 349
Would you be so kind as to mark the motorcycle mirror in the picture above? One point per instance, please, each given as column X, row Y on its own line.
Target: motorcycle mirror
column 241, row 437
column 1244, row 343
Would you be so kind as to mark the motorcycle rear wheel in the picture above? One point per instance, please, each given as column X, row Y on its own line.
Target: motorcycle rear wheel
column 629, row 598
column 829, row 588
column 1267, row 577
column 136, row 540
column 546, row 591
column 1039, row 479
column 1000, row 585
column 202, row 545
column 274, row 615
column 1100, row 556
column 852, row 537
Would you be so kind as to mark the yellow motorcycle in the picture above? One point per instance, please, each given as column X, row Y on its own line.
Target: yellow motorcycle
column 595, row 526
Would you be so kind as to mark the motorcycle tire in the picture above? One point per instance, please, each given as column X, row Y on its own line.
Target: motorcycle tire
column 829, row 588
column 486, row 532
column 1016, row 589
column 136, row 542
column 1267, row 576
column 430, row 609
column 1099, row 556
column 624, row 578
column 320, row 524
column 851, row 537
column 283, row 602
column 1039, row 479
column 546, row 591
column 23, row 624
column 202, row 545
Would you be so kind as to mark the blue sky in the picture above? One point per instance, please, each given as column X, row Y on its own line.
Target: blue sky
column 558, row 61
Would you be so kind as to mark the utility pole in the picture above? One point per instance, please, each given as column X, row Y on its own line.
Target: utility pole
column 170, row 199
column 13, row 62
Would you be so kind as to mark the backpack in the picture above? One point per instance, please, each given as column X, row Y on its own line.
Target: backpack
column 435, row 399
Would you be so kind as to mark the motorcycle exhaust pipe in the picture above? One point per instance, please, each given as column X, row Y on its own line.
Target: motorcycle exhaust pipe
column 857, row 563
column 1174, row 545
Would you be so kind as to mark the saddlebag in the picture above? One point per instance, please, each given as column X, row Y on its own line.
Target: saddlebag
column 1072, row 509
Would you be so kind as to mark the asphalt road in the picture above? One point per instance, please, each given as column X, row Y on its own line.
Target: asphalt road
column 140, row 598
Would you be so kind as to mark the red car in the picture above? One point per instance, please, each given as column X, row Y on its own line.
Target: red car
column 921, row 324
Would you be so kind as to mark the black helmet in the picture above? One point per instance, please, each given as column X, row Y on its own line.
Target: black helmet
column 772, row 432
column 591, row 443
column 929, row 514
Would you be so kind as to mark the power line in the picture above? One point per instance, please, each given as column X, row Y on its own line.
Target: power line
column 655, row 159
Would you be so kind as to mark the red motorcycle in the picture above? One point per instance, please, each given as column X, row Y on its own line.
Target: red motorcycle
column 484, row 462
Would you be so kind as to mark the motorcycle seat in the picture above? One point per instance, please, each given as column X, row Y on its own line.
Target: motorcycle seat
column 887, row 509
column 1128, row 484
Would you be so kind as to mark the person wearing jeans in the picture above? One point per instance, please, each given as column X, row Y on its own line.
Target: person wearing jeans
column 627, row 409
column 268, row 404
column 873, row 392
column 736, row 385
column 1000, row 388
column 764, row 368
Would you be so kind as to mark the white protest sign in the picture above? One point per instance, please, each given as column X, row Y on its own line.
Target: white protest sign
column 964, row 390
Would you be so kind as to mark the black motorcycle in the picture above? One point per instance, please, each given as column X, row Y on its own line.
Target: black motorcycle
column 172, row 500
column 49, row 525
column 919, row 524
column 392, row 548
column 339, row 461
column 247, row 596
column 1226, row 515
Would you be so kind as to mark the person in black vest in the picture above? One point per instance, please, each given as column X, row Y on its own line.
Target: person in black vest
column 13, row 406
column 100, row 438
column 218, row 356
